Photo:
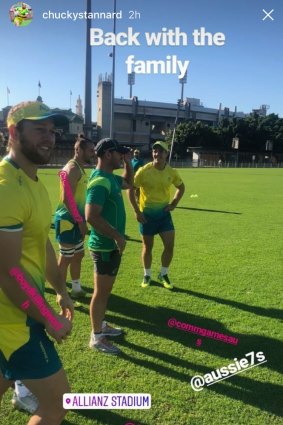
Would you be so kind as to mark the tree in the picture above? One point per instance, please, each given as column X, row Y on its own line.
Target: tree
column 253, row 132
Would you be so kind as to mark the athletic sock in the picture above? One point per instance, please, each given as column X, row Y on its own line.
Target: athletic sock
column 147, row 272
column 97, row 336
column 21, row 390
column 76, row 285
column 164, row 270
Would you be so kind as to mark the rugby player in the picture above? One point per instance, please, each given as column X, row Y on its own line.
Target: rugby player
column 69, row 233
column 153, row 211
column 105, row 212
column 26, row 351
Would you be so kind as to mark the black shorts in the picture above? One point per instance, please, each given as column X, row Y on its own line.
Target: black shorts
column 106, row 262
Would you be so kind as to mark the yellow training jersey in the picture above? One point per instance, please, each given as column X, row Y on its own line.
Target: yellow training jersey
column 155, row 186
column 62, row 212
column 25, row 207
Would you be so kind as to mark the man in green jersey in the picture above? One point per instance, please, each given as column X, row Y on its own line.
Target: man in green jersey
column 27, row 259
column 70, row 233
column 105, row 213
column 137, row 161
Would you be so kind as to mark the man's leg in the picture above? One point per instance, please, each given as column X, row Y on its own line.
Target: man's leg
column 49, row 392
column 147, row 245
column 75, row 271
column 103, row 285
column 168, row 239
column 4, row 385
column 147, row 241
column 106, row 266
column 70, row 243
column 75, row 267
column 66, row 245
column 69, row 256
column 65, row 258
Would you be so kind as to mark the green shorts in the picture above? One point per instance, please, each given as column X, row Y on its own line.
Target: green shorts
column 67, row 232
column 36, row 359
column 106, row 262
column 156, row 224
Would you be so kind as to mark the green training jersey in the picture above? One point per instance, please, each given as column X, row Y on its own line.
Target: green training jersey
column 104, row 189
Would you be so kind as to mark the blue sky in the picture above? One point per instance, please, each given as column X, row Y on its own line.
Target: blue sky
column 246, row 72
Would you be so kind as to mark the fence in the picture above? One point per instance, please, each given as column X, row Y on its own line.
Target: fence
column 231, row 164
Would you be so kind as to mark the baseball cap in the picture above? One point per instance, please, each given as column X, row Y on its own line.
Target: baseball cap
column 34, row 111
column 109, row 145
column 163, row 145
column 136, row 151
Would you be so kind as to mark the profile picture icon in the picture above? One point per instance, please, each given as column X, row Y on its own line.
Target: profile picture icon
column 21, row 14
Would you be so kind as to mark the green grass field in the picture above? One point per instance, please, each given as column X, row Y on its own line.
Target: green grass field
column 227, row 272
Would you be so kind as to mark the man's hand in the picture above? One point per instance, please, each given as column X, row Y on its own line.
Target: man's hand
column 83, row 228
column 60, row 334
column 171, row 206
column 140, row 217
column 121, row 244
column 127, row 157
column 66, row 305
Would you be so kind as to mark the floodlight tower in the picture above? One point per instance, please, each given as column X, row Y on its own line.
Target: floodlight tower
column 183, row 81
column 131, row 82
column 113, row 76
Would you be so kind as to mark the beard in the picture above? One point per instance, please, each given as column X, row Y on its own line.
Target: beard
column 33, row 154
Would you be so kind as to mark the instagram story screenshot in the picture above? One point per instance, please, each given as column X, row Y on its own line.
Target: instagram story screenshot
column 141, row 169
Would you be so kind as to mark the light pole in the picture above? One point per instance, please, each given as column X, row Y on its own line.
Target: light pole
column 131, row 82
column 88, row 121
column 8, row 95
column 183, row 81
column 113, row 77
column 174, row 130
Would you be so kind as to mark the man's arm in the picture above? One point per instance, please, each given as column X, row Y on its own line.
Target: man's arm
column 54, row 278
column 128, row 174
column 180, row 190
column 94, row 218
column 132, row 198
column 20, row 289
column 73, row 175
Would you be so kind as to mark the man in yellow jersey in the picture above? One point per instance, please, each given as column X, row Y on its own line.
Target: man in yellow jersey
column 69, row 233
column 153, row 212
column 26, row 260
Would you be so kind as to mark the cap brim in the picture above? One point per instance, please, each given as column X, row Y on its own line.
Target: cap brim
column 58, row 119
column 123, row 149
column 166, row 149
